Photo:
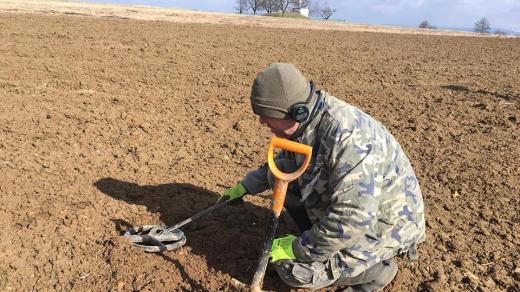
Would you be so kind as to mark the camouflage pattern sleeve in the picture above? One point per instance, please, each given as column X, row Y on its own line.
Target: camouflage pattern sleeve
column 255, row 181
column 353, row 185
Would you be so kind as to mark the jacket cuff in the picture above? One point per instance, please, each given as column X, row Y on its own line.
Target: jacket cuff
column 253, row 184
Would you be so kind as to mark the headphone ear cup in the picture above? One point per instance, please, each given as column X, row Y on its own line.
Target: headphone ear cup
column 300, row 113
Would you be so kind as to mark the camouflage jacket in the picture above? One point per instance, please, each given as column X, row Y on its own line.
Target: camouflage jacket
column 360, row 191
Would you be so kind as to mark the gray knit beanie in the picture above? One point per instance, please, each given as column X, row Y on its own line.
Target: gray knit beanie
column 276, row 89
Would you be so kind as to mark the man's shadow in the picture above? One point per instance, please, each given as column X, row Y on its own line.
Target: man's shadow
column 229, row 238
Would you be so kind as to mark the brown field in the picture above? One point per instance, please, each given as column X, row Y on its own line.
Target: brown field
column 106, row 122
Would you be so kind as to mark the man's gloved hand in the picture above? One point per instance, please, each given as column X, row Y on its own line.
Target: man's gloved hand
column 282, row 248
column 233, row 192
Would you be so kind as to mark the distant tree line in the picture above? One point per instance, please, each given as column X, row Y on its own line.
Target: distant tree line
column 317, row 8
column 426, row 24
column 481, row 26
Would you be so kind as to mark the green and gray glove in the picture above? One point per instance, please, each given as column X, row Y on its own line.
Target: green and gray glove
column 282, row 248
column 234, row 192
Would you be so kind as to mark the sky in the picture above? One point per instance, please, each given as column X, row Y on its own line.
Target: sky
column 452, row 14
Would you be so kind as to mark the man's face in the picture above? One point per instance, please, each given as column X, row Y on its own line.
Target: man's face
column 282, row 128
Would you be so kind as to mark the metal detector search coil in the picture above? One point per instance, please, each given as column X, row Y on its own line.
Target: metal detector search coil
column 159, row 238
column 155, row 238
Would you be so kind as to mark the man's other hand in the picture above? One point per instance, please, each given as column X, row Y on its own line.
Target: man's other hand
column 234, row 192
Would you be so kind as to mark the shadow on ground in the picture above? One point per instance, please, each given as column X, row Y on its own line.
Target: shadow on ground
column 230, row 238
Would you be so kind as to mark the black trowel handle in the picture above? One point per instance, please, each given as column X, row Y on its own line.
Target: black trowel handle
column 258, row 278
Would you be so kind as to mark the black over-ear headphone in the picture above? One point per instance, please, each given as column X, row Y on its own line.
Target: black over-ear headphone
column 299, row 111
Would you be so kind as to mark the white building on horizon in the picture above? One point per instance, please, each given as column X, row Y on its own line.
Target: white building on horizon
column 300, row 8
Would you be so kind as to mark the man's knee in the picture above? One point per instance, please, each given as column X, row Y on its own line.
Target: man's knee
column 386, row 273
column 373, row 279
column 317, row 275
column 304, row 275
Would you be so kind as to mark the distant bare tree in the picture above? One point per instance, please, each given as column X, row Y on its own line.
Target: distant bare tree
column 283, row 5
column 299, row 3
column 326, row 11
column 242, row 6
column 254, row 5
column 319, row 8
column 270, row 6
column 426, row 24
column 482, row 26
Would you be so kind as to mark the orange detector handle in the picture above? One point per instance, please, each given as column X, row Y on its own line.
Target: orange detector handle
column 283, row 179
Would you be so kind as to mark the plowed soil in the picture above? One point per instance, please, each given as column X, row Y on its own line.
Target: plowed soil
column 106, row 123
